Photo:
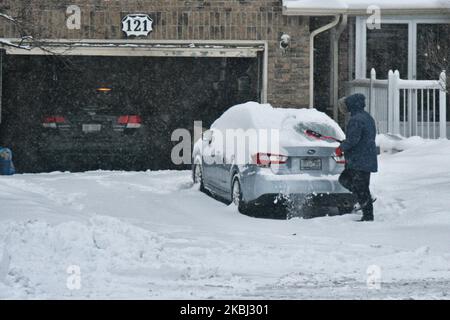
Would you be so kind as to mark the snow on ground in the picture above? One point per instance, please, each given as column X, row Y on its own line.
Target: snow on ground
column 152, row 235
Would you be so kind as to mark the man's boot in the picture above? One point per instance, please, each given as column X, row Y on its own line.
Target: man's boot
column 368, row 213
column 360, row 207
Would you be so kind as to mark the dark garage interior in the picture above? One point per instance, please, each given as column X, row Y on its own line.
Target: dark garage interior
column 70, row 113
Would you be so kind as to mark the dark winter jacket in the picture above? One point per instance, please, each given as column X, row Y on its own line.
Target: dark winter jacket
column 359, row 147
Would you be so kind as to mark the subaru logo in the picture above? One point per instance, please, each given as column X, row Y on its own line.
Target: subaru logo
column 311, row 151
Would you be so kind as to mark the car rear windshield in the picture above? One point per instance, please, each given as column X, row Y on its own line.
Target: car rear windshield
column 114, row 101
column 322, row 128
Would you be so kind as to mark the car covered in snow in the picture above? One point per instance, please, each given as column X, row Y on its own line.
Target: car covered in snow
column 255, row 155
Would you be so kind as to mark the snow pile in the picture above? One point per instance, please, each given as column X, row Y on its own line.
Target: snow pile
column 118, row 260
column 290, row 123
column 36, row 255
column 415, row 181
column 393, row 143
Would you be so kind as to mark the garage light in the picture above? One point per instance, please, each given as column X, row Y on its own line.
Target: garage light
column 104, row 89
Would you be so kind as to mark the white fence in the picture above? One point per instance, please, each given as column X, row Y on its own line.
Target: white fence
column 406, row 107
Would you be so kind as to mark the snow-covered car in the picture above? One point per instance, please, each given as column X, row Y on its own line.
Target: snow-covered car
column 285, row 165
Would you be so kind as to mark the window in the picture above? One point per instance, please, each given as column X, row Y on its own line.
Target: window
column 433, row 53
column 417, row 46
column 387, row 49
column 433, row 50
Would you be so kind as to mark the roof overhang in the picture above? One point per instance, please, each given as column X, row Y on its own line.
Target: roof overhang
column 360, row 7
column 140, row 48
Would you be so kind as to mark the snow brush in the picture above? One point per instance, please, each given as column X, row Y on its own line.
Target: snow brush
column 317, row 135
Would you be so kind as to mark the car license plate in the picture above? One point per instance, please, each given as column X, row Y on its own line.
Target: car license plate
column 92, row 128
column 311, row 164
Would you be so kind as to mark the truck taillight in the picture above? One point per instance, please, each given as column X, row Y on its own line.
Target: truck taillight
column 266, row 159
column 130, row 121
column 53, row 121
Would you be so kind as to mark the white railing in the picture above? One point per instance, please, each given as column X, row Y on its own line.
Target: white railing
column 417, row 107
column 406, row 107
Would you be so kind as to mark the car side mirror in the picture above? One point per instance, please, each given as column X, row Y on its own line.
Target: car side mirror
column 207, row 136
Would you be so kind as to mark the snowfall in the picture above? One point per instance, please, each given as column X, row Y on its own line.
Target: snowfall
column 152, row 235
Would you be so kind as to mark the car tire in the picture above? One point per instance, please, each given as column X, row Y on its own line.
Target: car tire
column 345, row 210
column 197, row 176
column 237, row 198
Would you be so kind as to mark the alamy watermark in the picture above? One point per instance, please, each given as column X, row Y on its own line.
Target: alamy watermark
column 223, row 146
column 73, row 281
column 374, row 20
column 373, row 277
column 73, row 21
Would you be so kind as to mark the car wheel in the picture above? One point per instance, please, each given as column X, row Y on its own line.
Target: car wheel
column 345, row 210
column 236, row 197
column 198, row 177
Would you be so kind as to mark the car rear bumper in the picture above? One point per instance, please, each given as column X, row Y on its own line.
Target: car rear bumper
column 258, row 185
column 92, row 155
column 92, row 150
column 341, row 200
column 103, row 146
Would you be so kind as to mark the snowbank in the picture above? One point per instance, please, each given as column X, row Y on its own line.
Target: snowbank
column 393, row 143
column 36, row 255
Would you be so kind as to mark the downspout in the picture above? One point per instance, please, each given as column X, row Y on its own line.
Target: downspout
column 1, row 81
column 335, row 76
column 311, row 55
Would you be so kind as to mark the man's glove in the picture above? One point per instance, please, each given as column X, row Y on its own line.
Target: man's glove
column 339, row 152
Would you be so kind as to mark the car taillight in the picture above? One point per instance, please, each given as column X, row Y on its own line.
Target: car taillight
column 340, row 160
column 266, row 159
column 53, row 121
column 131, row 122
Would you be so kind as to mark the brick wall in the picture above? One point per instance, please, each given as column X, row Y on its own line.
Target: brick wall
column 288, row 72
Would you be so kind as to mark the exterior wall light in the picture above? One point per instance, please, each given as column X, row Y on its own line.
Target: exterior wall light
column 285, row 41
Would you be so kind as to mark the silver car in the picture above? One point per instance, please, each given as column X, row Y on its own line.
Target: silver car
column 303, row 174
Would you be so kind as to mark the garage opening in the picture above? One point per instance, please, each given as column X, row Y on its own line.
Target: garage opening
column 84, row 112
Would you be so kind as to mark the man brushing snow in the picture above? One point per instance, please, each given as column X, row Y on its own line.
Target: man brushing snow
column 360, row 153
